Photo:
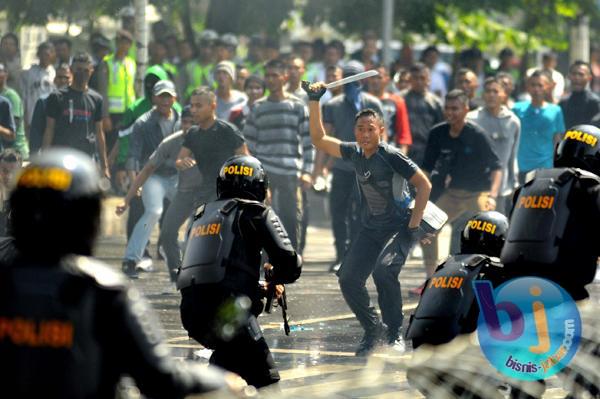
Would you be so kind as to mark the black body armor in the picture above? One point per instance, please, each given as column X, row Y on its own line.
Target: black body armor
column 552, row 227
column 71, row 330
column 448, row 306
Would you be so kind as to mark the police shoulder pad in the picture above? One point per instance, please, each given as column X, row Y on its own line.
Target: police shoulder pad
column 199, row 211
column 228, row 206
column 475, row 260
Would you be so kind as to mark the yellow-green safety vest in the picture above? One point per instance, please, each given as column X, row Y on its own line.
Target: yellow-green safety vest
column 121, row 83
column 198, row 75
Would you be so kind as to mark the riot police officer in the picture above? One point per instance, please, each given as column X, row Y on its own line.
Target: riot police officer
column 221, row 268
column 556, row 215
column 447, row 306
column 69, row 325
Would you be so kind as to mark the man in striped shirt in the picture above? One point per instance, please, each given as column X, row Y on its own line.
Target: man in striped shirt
column 277, row 134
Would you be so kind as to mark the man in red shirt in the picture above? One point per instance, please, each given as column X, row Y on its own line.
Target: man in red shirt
column 394, row 111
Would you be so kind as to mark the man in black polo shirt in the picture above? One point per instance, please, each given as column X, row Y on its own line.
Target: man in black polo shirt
column 463, row 167
column 387, row 227
column 209, row 144
column 337, row 120
column 582, row 106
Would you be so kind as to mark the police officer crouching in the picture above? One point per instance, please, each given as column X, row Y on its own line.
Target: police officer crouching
column 71, row 326
column 554, row 228
column 219, row 276
column 447, row 306
column 555, row 217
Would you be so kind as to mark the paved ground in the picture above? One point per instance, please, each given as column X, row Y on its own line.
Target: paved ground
column 318, row 356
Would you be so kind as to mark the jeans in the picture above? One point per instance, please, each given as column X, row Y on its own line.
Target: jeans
column 287, row 203
column 154, row 191
column 344, row 210
column 381, row 253
column 180, row 209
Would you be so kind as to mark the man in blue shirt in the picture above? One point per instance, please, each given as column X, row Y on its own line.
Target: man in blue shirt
column 541, row 126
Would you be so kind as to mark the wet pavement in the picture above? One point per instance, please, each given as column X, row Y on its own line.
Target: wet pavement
column 318, row 356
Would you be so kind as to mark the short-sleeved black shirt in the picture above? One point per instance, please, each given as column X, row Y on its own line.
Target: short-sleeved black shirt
column 75, row 114
column 382, row 179
column 211, row 148
column 469, row 158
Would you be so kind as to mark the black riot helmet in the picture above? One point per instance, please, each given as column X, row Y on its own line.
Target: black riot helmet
column 484, row 234
column 242, row 176
column 55, row 206
column 579, row 148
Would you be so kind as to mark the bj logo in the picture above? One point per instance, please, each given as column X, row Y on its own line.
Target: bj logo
column 528, row 328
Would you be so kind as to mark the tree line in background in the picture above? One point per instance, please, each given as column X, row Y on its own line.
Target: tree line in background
column 521, row 24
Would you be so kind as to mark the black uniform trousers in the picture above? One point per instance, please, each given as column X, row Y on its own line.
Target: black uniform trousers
column 343, row 200
column 246, row 353
column 380, row 253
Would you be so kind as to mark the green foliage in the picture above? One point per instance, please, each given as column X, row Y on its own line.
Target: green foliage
column 488, row 24
column 347, row 16
column 38, row 12
column 521, row 24
column 479, row 29
column 249, row 16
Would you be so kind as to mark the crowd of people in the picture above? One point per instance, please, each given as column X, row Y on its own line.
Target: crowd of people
column 464, row 136
column 475, row 131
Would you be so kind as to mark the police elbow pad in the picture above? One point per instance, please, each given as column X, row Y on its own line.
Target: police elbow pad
column 277, row 231
column 296, row 271
column 287, row 270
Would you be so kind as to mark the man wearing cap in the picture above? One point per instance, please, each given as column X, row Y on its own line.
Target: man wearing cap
column 127, row 15
column 74, row 115
column 100, row 46
column 147, row 133
column 256, row 55
column 227, row 96
column 199, row 72
column 225, row 48
column 338, row 119
column 116, row 81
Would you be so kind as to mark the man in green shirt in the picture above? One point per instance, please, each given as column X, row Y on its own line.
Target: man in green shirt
column 17, row 109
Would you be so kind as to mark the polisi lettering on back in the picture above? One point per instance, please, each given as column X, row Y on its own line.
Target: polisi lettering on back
column 238, row 170
column 446, row 282
column 581, row 136
column 486, row 227
column 536, row 201
column 208, row 229
column 36, row 334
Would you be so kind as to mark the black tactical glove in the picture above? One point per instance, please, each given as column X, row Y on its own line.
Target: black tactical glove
column 313, row 94
column 415, row 234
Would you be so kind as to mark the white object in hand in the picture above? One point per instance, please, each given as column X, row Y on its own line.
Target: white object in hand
column 353, row 78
